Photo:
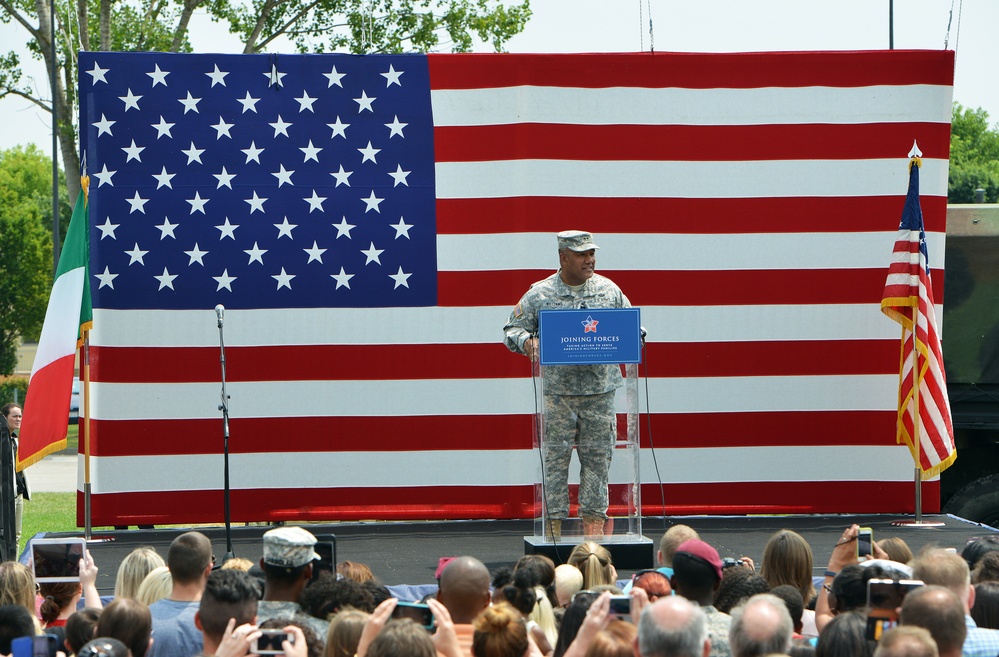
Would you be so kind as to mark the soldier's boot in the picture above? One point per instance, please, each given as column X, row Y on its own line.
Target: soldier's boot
column 553, row 530
column 593, row 527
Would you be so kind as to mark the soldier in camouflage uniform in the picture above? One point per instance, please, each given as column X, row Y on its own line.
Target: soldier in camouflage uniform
column 579, row 399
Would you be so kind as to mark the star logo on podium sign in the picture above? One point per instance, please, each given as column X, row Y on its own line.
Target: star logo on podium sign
column 589, row 325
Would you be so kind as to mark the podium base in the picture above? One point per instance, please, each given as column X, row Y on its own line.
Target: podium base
column 627, row 552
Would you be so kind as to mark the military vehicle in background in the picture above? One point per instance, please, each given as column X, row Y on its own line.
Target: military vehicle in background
column 970, row 487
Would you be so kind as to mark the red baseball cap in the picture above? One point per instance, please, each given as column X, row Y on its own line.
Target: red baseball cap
column 701, row 551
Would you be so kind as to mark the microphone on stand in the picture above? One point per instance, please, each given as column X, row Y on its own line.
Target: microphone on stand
column 220, row 313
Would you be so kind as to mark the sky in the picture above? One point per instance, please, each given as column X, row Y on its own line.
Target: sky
column 678, row 26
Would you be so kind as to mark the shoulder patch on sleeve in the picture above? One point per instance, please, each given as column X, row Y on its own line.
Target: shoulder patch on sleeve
column 518, row 311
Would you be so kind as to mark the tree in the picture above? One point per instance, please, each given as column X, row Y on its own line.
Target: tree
column 974, row 156
column 26, row 248
column 358, row 26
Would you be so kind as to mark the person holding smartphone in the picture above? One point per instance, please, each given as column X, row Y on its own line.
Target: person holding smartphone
column 843, row 555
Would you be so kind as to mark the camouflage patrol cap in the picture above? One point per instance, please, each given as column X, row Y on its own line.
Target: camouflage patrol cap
column 576, row 240
column 289, row 547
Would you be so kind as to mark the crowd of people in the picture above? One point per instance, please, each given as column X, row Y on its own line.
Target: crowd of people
column 691, row 604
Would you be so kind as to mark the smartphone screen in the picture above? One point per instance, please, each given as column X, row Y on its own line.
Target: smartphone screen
column 864, row 540
column 620, row 606
column 270, row 642
column 420, row 614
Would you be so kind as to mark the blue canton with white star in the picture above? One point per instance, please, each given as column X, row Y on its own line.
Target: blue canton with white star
column 259, row 181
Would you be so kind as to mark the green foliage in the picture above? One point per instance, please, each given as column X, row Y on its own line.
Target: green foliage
column 974, row 156
column 368, row 26
column 25, row 248
column 13, row 387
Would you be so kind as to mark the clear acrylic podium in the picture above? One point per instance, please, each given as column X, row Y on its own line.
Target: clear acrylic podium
column 621, row 533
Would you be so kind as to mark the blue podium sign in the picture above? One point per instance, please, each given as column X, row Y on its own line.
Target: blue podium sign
column 590, row 336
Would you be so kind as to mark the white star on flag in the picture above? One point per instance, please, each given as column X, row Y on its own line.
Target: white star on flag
column 217, row 76
column 392, row 77
column 104, row 126
column 104, row 176
column 97, row 75
column 224, row 281
column 315, row 253
column 256, row 254
column 106, row 278
column 372, row 254
column 196, row 255
column 342, row 279
column 227, row 230
column 165, row 279
column 167, row 228
column 137, row 203
column 158, row 76
column 283, row 279
column 136, row 254
column 131, row 100
column 107, row 228
column 400, row 278
column 190, row 104
column 372, row 202
column 163, row 128
column 256, row 203
column 315, row 202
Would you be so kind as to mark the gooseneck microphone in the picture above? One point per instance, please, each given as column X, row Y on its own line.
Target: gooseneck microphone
column 220, row 313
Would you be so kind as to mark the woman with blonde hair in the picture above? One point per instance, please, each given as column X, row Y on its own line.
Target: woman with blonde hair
column 17, row 587
column 345, row 632
column 500, row 631
column 787, row 559
column 133, row 569
column 594, row 561
column 156, row 586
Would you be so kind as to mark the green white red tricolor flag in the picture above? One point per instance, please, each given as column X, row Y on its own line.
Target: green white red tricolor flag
column 69, row 314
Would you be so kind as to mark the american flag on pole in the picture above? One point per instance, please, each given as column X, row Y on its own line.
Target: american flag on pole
column 924, row 422
column 368, row 223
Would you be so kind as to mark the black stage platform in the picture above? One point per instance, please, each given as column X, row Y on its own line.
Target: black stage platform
column 407, row 553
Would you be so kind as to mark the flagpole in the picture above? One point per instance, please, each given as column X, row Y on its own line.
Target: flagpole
column 918, row 519
column 86, row 435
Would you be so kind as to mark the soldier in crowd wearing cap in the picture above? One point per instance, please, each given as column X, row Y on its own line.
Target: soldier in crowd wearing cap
column 287, row 565
column 697, row 572
column 579, row 399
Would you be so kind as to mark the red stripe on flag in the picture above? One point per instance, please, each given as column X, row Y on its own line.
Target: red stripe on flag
column 472, row 361
column 679, row 288
column 444, row 433
column 686, row 142
column 694, row 70
column 422, row 503
column 709, row 216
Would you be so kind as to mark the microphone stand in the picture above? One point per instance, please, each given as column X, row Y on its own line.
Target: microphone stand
column 224, row 407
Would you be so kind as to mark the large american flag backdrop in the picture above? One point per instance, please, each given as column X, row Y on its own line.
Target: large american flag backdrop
column 368, row 223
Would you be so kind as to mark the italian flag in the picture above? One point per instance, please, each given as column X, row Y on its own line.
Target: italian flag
column 69, row 314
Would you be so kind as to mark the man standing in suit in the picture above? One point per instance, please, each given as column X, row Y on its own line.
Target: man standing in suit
column 13, row 414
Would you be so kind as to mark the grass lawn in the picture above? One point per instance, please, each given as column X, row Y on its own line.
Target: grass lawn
column 48, row 512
